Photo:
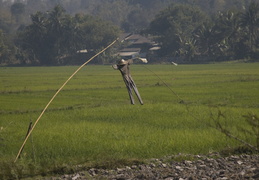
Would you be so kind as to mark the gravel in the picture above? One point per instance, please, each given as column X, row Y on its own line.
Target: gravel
column 199, row 167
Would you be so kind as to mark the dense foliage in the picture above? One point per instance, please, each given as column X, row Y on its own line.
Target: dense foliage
column 54, row 37
column 50, row 32
column 185, row 32
column 173, row 27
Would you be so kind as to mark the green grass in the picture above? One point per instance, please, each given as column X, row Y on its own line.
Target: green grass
column 92, row 122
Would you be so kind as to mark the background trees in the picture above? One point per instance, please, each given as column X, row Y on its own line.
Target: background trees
column 173, row 28
column 55, row 37
column 186, row 32
column 17, row 11
column 249, row 21
column 51, row 32
column 7, row 49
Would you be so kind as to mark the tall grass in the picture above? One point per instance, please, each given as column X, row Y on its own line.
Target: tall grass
column 91, row 120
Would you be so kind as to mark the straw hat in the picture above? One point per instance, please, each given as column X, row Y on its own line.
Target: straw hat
column 122, row 62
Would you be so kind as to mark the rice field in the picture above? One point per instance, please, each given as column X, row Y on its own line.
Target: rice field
column 91, row 121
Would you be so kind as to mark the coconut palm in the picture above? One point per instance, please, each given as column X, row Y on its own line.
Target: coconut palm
column 230, row 32
column 250, row 22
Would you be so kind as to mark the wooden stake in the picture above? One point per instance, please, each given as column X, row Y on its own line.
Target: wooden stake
column 29, row 128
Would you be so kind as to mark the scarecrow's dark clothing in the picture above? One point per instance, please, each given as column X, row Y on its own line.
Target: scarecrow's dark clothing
column 125, row 72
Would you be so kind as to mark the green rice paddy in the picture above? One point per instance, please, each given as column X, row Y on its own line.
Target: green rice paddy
column 92, row 121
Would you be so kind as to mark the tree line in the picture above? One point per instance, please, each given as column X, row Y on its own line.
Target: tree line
column 55, row 37
column 185, row 32
column 51, row 32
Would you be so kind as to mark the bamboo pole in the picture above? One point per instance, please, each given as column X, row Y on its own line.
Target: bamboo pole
column 19, row 152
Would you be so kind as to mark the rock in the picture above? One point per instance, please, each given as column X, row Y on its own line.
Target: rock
column 239, row 162
column 164, row 165
column 179, row 168
column 76, row 177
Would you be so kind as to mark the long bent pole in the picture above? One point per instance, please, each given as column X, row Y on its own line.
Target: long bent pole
column 57, row 94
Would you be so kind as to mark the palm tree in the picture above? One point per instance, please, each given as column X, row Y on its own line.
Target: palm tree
column 55, row 19
column 17, row 10
column 250, row 22
column 34, row 37
column 205, row 37
column 228, row 25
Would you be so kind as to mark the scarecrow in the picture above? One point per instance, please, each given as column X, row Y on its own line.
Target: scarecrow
column 123, row 67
